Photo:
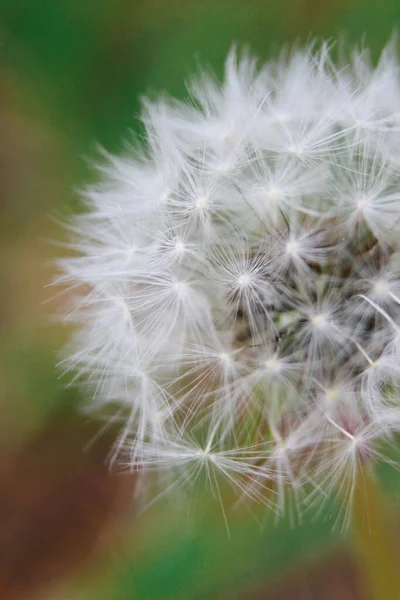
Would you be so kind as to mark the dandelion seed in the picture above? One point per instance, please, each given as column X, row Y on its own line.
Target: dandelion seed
column 237, row 281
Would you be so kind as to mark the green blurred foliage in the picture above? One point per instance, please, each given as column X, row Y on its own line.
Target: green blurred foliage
column 74, row 73
column 90, row 61
column 209, row 564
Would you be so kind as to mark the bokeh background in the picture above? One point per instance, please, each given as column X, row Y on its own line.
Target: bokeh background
column 72, row 73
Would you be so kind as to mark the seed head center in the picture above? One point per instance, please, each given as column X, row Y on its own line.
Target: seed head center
column 292, row 248
column 273, row 194
column 319, row 320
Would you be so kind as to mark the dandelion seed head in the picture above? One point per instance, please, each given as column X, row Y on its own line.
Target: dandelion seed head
column 235, row 282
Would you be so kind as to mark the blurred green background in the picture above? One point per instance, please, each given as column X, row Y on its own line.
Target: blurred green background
column 72, row 73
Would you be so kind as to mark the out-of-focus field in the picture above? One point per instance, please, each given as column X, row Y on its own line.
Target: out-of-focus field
column 71, row 77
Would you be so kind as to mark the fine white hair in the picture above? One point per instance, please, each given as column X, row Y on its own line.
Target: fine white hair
column 236, row 281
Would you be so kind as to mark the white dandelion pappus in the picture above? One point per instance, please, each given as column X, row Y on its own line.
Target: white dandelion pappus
column 236, row 281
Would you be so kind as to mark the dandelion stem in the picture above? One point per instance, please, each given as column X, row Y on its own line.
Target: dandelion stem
column 376, row 546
